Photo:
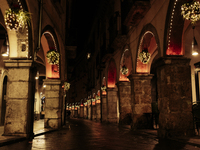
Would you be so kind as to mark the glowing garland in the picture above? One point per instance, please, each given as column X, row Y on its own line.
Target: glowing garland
column 103, row 88
column 16, row 18
column 66, row 86
column 191, row 11
column 124, row 70
column 53, row 57
column 145, row 56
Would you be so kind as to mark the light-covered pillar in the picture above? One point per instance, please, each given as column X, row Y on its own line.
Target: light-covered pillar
column 20, row 98
column 53, row 103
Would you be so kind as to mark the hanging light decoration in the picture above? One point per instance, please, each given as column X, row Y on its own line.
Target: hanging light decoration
column 144, row 56
column 66, row 86
column 53, row 56
column 191, row 11
column 103, row 88
column 124, row 70
column 15, row 17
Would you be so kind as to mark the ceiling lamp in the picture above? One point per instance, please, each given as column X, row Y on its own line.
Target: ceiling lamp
column 145, row 56
column 191, row 11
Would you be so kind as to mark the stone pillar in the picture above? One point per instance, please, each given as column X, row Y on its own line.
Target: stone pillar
column 89, row 110
column 98, row 111
column 81, row 111
column 85, row 111
column 104, row 108
column 52, row 103
column 93, row 111
column 174, row 97
column 20, row 98
column 125, row 111
column 78, row 111
column 112, row 106
column 72, row 113
column 141, row 100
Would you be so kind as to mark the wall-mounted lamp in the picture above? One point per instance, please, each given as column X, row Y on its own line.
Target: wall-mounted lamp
column 88, row 55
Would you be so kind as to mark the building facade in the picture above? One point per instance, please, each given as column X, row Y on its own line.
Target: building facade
column 137, row 63
column 31, row 83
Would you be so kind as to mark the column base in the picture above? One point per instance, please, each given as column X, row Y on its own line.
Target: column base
column 54, row 123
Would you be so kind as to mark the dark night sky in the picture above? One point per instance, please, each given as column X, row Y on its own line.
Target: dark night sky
column 83, row 14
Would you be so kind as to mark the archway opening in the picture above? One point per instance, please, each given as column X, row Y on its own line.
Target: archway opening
column 112, row 75
column 125, row 64
column 147, row 41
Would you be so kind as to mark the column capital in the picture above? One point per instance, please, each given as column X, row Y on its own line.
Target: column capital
column 18, row 63
column 170, row 60
column 123, row 83
column 52, row 81
column 111, row 89
column 140, row 76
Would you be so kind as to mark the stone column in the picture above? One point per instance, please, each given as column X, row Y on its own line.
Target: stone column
column 174, row 97
column 93, row 110
column 85, row 111
column 125, row 111
column 112, row 101
column 104, row 108
column 81, row 111
column 52, row 103
column 89, row 109
column 20, row 98
column 98, row 111
column 141, row 100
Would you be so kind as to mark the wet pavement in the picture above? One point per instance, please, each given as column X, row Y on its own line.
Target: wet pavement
column 80, row 134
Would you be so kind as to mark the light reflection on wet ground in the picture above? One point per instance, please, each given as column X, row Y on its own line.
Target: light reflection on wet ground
column 81, row 134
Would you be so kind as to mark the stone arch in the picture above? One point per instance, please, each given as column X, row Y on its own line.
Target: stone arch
column 174, row 29
column 126, row 59
column 112, row 74
column 20, row 40
column 149, row 39
column 48, row 41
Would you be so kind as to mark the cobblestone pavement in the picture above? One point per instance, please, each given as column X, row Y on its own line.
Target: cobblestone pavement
column 80, row 134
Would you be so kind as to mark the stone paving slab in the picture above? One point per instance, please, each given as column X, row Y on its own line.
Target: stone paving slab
column 39, row 130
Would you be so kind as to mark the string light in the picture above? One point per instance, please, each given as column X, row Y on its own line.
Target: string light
column 171, row 23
